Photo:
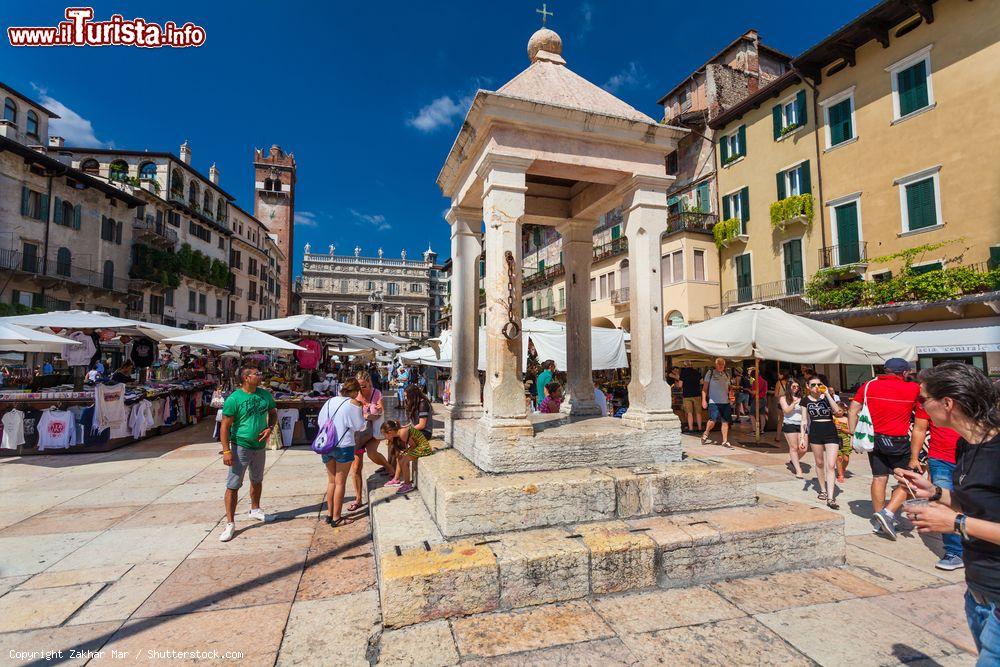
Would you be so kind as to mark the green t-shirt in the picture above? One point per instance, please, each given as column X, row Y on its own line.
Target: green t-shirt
column 249, row 413
column 544, row 378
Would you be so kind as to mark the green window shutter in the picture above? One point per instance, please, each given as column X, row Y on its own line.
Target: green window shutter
column 776, row 120
column 745, row 204
column 724, row 149
column 59, row 214
column 742, row 138
column 847, row 249
column 541, row 265
column 482, row 269
column 76, row 216
column 726, row 209
column 920, row 204
column 616, row 232
column 780, row 181
column 806, row 181
column 840, row 122
column 800, row 102
column 25, row 200
column 704, row 203
column 994, row 257
column 44, row 214
column 537, row 236
column 911, row 85
column 926, row 268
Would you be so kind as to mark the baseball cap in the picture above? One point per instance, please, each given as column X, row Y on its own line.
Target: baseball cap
column 897, row 365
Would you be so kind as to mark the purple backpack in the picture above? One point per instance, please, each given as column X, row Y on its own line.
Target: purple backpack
column 326, row 440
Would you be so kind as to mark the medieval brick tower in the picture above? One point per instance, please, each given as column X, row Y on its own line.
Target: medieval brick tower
column 274, row 205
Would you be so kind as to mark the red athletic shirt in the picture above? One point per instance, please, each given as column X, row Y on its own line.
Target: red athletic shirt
column 943, row 440
column 891, row 401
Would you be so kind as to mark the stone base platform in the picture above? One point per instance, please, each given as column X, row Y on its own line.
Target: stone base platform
column 463, row 500
column 564, row 441
column 423, row 576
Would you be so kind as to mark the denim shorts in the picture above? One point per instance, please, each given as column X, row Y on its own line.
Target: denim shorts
column 243, row 458
column 340, row 455
column 720, row 412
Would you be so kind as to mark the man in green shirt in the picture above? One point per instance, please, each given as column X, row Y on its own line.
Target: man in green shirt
column 248, row 416
column 544, row 378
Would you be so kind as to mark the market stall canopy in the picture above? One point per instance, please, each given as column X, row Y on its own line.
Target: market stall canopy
column 765, row 332
column 315, row 325
column 239, row 337
column 75, row 320
column 549, row 338
column 976, row 335
column 14, row 338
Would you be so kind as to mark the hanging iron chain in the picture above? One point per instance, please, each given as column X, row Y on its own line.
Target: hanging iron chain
column 512, row 329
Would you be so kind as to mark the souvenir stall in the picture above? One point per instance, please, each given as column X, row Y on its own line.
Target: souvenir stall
column 105, row 410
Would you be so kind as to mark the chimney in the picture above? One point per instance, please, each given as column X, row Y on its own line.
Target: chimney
column 56, row 142
column 213, row 174
column 185, row 153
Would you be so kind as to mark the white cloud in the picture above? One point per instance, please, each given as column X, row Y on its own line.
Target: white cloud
column 439, row 113
column 306, row 219
column 586, row 18
column 376, row 220
column 631, row 76
column 71, row 126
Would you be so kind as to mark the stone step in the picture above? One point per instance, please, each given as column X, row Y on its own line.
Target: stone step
column 434, row 578
column 463, row 500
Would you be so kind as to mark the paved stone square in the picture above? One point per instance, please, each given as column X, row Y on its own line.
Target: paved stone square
column 119, row 551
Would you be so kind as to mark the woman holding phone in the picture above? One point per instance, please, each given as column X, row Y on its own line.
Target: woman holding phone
column 820, row 431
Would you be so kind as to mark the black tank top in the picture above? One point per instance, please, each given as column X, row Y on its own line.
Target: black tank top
column 818, row 410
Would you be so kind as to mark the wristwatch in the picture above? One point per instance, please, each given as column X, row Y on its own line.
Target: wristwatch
column 937, row 493
column 959, row 526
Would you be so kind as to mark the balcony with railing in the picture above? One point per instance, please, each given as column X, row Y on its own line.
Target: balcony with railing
column 619, row 297
column 157, row 233
column 543, row 277
column 15, row 260
column 542, row 313
column 786, row 294
column 55, row 271
column 618, row 246
column 853, row 254
column 691, row 221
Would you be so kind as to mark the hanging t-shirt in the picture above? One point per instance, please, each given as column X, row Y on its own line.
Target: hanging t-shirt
column 111, row 412
column 31, row 418
column 286, row 422
column 56, row 430
column 79, row 355
column 310, row 357
column 143, row 353
column 13, row 430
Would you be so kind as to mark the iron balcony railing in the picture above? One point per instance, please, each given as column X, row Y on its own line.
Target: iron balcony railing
column 546, row 275
column 693, row 221
column 843, row 254
column 150, row 227
column 776, row 291
column 15, row 260
column 619, row 296
column 543, row 313
column 618, row 246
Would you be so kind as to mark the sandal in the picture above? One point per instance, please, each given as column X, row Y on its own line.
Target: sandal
column 705, row 440
column 333, row 523
column 833, row 505
column 355, row 506
column 822, row 495
column 727, row 445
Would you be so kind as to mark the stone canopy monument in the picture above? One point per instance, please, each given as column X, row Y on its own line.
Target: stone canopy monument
column 531, row 509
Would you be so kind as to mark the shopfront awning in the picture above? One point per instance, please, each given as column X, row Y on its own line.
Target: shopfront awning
column 972, row 336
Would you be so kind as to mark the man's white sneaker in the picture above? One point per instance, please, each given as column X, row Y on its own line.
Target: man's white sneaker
column 257, row 514
column 227, row 532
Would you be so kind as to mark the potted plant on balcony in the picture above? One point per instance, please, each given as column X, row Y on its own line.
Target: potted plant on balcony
column 792, row 209
column 727, row 231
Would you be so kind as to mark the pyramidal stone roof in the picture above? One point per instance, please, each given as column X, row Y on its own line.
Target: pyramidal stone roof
column 548, row 81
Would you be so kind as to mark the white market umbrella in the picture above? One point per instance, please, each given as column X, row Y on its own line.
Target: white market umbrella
column 316, row 325
column 75, row 320
column 240, row 338
column 765, row 332
column 15, row 338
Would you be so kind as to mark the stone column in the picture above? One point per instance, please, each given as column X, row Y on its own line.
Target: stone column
column 645, row 208
column 504, row 191
column 466, row 245
column 578, row 253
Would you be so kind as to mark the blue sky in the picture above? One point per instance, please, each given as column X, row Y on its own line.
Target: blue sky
column 368, row 96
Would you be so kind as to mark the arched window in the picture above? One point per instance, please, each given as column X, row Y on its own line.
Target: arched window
column 9, row 110
column 109, row 274
column 267, row 183
column 147, row 171
column 63, row 261
column 193, row 190
column 90, row 166
column 177, row 182
column 675, row 319
column 206, row 203
column 220, row 209
column 118, row 170
column 276, row 184
column 32, row 124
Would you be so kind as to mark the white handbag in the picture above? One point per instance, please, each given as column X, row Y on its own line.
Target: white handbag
column 863, row 438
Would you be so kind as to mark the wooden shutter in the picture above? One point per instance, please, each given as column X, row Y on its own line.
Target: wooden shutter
column 920, row 204
column 704, row 203
column 911, row 86
column 994, row 257
column 745, row 203
column 77, row 214
column 118, row 233
column 724, row 148
column 726, row 208
column 840, row 122
column 780, row 182
column 44, row 211
column 776, row 120
column 25, row 200
column 742, row 137
column 847, row 250
column 806, row 186
column 800, row 103
column 58, row 217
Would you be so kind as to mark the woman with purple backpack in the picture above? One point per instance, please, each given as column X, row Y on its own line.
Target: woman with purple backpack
column 339, row 420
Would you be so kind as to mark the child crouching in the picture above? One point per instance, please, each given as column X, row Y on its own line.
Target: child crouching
column 408, row 443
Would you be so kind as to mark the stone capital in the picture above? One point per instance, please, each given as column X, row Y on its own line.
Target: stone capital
column 577, row 230
column 647, row 182
column 465, row 221
column 514, row 164
column 503, row 173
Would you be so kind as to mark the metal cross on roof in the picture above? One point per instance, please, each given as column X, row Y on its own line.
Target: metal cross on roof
column 545, row 13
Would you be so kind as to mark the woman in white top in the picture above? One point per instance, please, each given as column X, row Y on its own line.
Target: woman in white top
column 791, row 425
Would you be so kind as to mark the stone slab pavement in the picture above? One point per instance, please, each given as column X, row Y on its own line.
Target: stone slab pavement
column 118, row 554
